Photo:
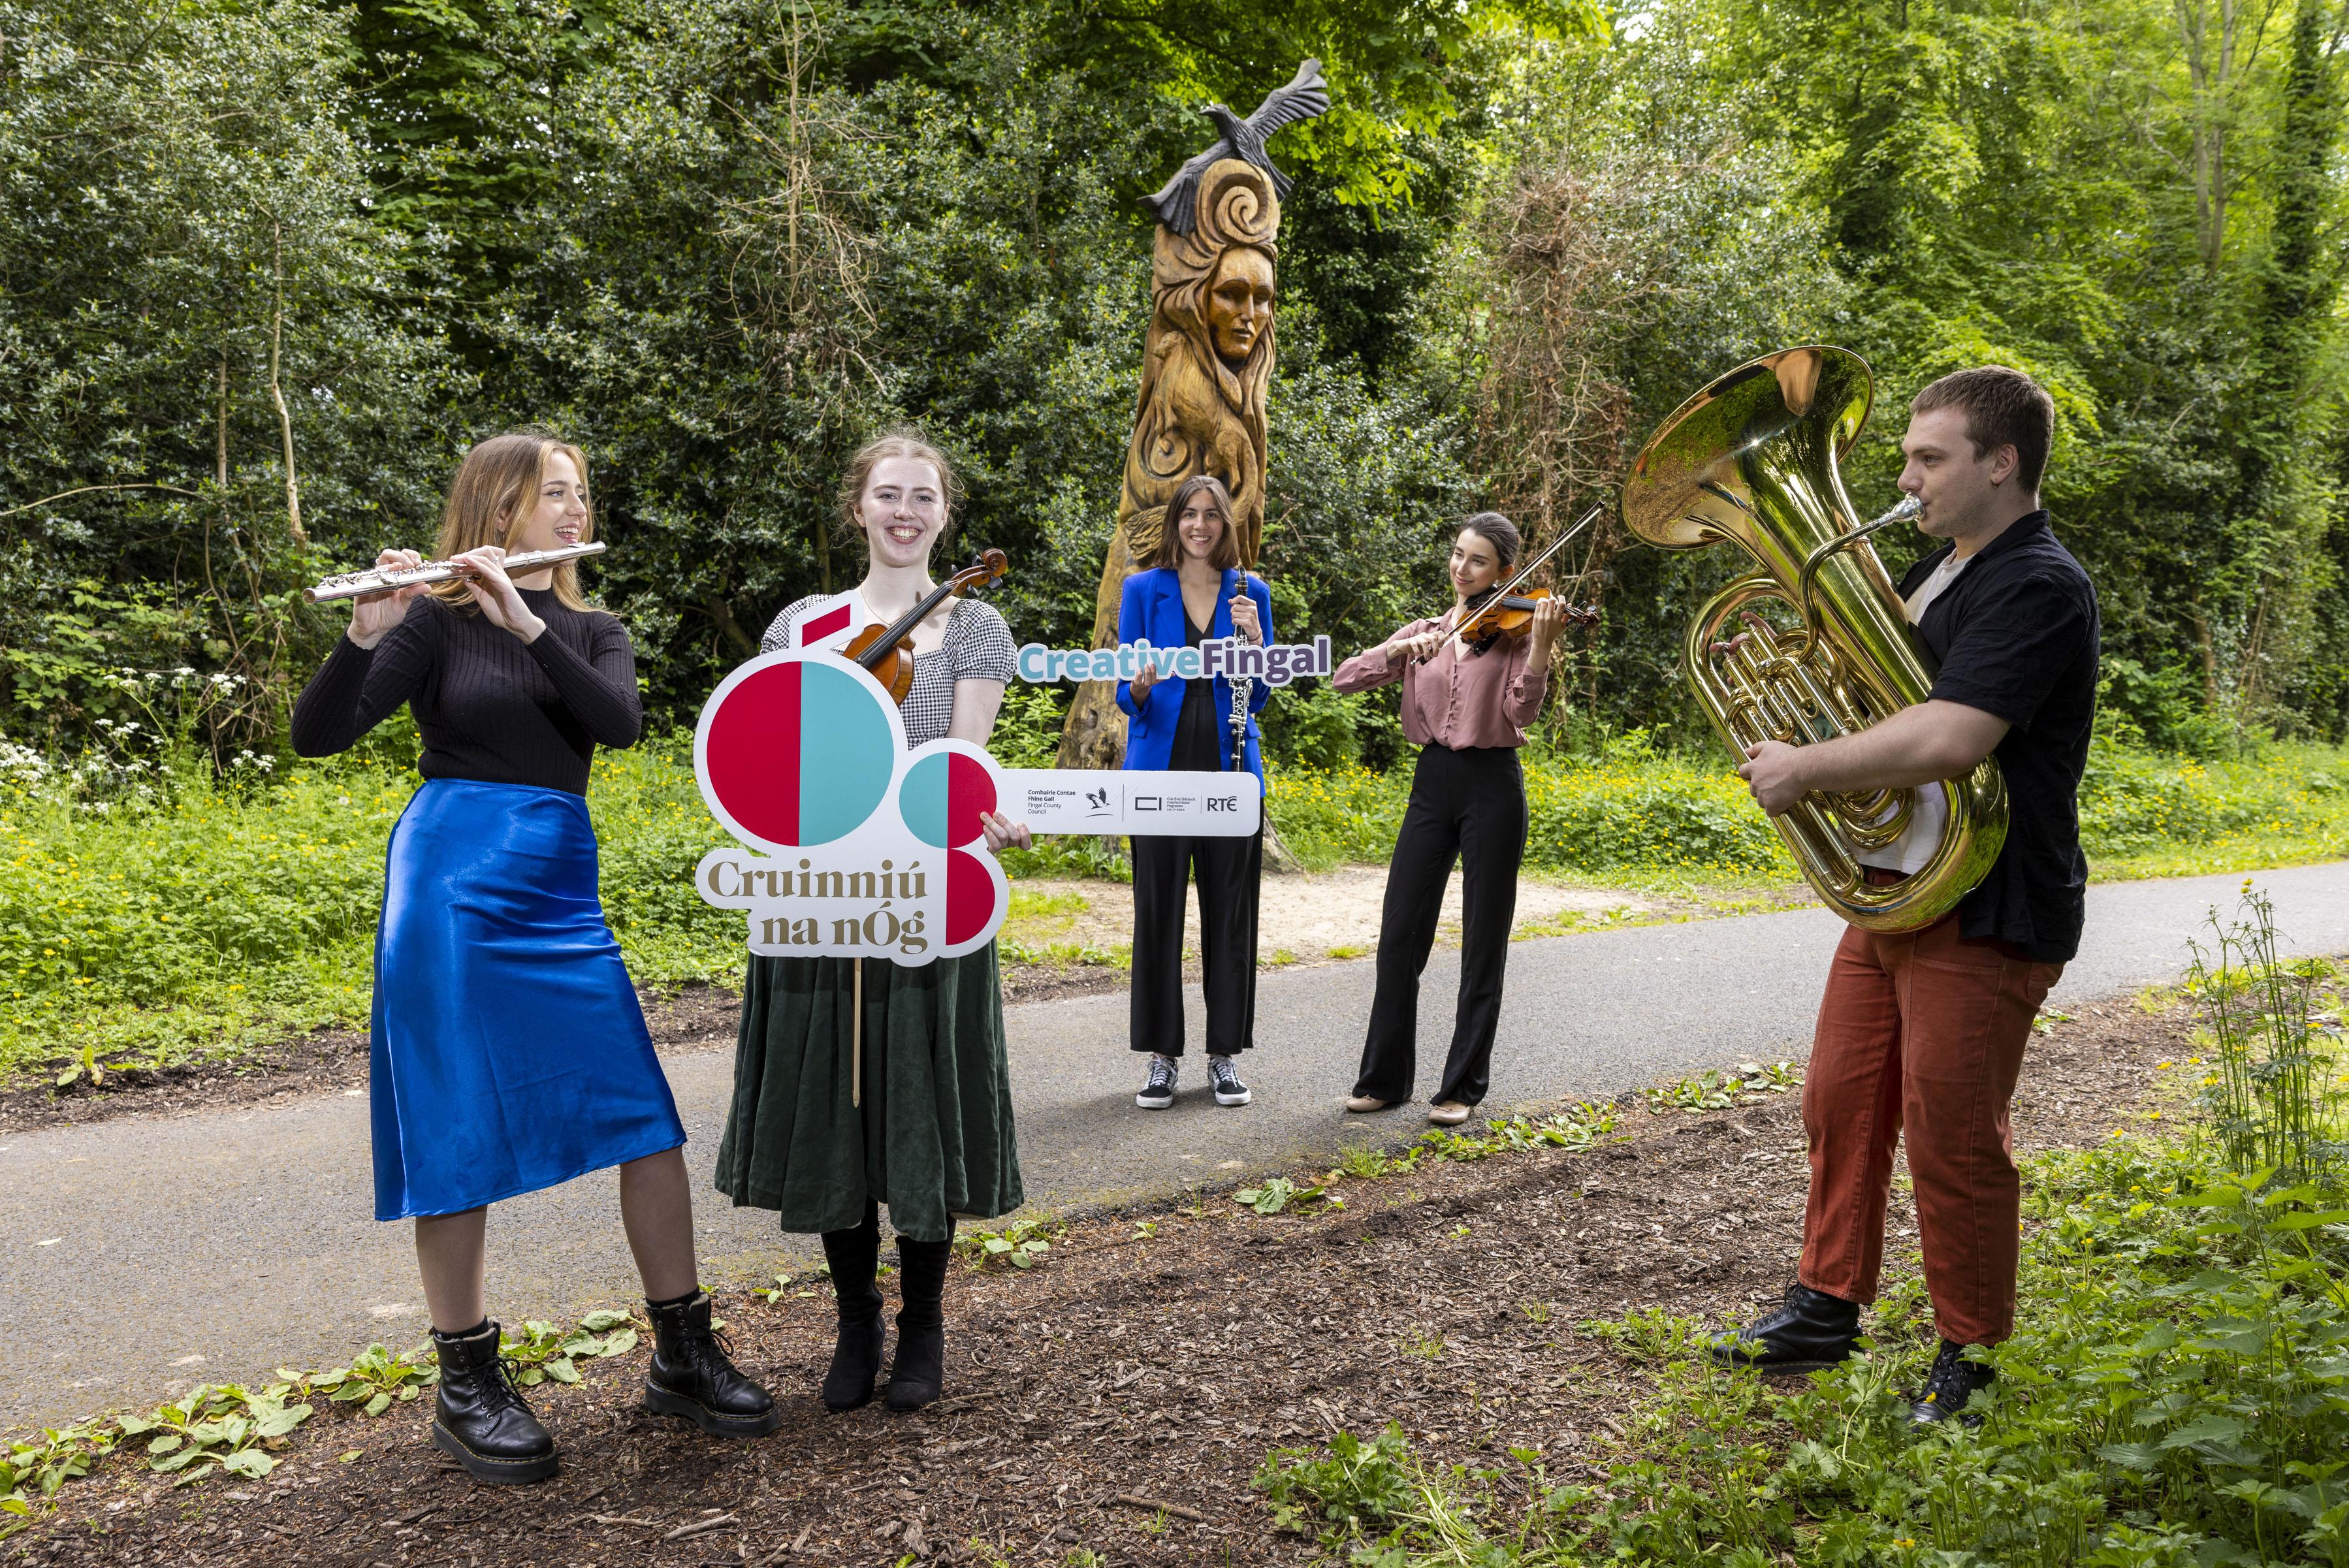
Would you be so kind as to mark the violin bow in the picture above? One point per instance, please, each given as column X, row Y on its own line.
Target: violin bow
column 1528, row 570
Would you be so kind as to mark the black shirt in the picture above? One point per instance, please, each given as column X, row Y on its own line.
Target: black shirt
column 2017, row 637
column 1198, row 737
column 490, row 706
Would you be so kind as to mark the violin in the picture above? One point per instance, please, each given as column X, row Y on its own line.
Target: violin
column 881, row 649
column 1510, row 618
column 1510, row 614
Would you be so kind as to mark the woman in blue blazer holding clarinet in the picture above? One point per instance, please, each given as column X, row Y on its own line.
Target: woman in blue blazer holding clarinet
column 1194, row 591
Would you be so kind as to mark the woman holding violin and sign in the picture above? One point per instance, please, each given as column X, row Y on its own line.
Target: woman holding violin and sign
column 858, row 1085
column 1472, row 680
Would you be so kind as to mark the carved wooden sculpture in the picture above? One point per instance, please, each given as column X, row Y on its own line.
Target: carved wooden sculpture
column 1207, row 365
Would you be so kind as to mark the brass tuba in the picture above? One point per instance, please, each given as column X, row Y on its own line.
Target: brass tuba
column 1752, row 458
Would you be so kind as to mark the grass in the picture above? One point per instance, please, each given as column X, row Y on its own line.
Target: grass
column 2176, row 1393
column 199, row 917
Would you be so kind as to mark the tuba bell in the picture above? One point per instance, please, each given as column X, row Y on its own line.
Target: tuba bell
column 1817, row 643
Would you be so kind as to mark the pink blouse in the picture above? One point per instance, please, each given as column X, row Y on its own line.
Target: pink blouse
column 1459, row 701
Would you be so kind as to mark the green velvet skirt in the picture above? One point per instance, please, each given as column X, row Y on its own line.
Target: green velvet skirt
column 933, row 1137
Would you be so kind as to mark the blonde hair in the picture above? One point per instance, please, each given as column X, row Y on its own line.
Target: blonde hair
column 495, row 483
column 1227, row 553
column 901, row 441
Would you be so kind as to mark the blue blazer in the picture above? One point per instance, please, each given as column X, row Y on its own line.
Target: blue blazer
column 1153, row 609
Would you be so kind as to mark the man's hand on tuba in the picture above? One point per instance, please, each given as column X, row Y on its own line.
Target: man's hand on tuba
column 1773, row 771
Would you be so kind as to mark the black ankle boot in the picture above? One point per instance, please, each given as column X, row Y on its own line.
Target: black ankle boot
column 855, row 1256
column 1950, row 1386
column 479, row 1417
column 692, row 1376
column 920, row 1369
column 1813, row 1330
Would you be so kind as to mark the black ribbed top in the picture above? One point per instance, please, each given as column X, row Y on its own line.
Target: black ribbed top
column 490, row 706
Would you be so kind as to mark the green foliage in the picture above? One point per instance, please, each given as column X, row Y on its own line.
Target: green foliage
column 1633, row 811
column 1021, row 1245
column 375, row 1380
column 183, row 212
column 2176, row 1390
column 40, row 1464
column 1357, row 1484
column 544, row 1351
column 1580, row 1125
column 719, row 242
column 1279, row 1195
column 217, row 1428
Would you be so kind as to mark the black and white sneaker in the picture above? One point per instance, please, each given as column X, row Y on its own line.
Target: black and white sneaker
column 1229, row 1090
column 1159, row 1091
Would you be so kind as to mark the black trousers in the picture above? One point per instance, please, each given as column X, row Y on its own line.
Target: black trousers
column 1468, row 806
column 1229, row 871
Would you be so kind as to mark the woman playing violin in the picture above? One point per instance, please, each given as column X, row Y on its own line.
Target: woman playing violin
column 1467, row 702
column 932, row 1137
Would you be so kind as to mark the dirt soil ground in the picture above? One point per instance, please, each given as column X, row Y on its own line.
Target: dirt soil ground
column 1151, row 1361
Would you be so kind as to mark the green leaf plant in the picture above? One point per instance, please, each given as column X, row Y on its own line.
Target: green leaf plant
column 218, row 1429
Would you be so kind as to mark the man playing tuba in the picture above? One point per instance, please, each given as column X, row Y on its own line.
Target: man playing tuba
column 1923, row 1031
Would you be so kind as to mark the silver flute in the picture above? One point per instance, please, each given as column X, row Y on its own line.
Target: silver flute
column 384, row 579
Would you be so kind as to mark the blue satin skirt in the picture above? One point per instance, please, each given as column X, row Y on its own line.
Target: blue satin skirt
column 509, row 1051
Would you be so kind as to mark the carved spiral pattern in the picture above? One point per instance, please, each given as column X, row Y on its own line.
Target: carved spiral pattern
column 1236, row 206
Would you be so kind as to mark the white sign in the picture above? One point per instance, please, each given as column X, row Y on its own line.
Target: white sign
column 1135, row 801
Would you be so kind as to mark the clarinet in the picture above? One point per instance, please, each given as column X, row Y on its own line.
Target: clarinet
column 1243, row 686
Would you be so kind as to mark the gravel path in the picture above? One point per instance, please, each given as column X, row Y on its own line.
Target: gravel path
column 211, row 1247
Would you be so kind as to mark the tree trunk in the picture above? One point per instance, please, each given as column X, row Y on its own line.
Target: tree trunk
column 276, row 392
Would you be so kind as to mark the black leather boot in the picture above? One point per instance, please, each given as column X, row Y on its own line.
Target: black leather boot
column 855, row 1256
column 1950, row 1386
column 920, row 1369
column 1811, row 1331
column 692, row 1376
column 479, row 1417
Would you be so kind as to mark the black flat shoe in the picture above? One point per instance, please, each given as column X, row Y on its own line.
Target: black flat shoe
column 481, row 1419
column 1950, row 1388
column 1812, row 1331
column 693, row 1377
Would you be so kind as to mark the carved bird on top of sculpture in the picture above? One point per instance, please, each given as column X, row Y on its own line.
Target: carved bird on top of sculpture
column 1306, row 94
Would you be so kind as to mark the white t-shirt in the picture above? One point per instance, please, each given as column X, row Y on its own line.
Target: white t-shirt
column 1918, row 840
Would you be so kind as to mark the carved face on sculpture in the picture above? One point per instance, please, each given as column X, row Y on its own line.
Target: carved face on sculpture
column 1239, row 303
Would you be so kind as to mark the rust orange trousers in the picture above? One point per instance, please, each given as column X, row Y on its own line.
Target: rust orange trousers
column 1922, row 1033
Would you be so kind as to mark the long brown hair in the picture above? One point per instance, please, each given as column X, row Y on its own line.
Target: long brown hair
column 1227, row 553
column 905, row 441
column 495, row 483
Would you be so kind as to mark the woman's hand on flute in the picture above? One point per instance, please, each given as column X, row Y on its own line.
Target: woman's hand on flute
column 373, row 614
column 494, row 592
column 1002, row 833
